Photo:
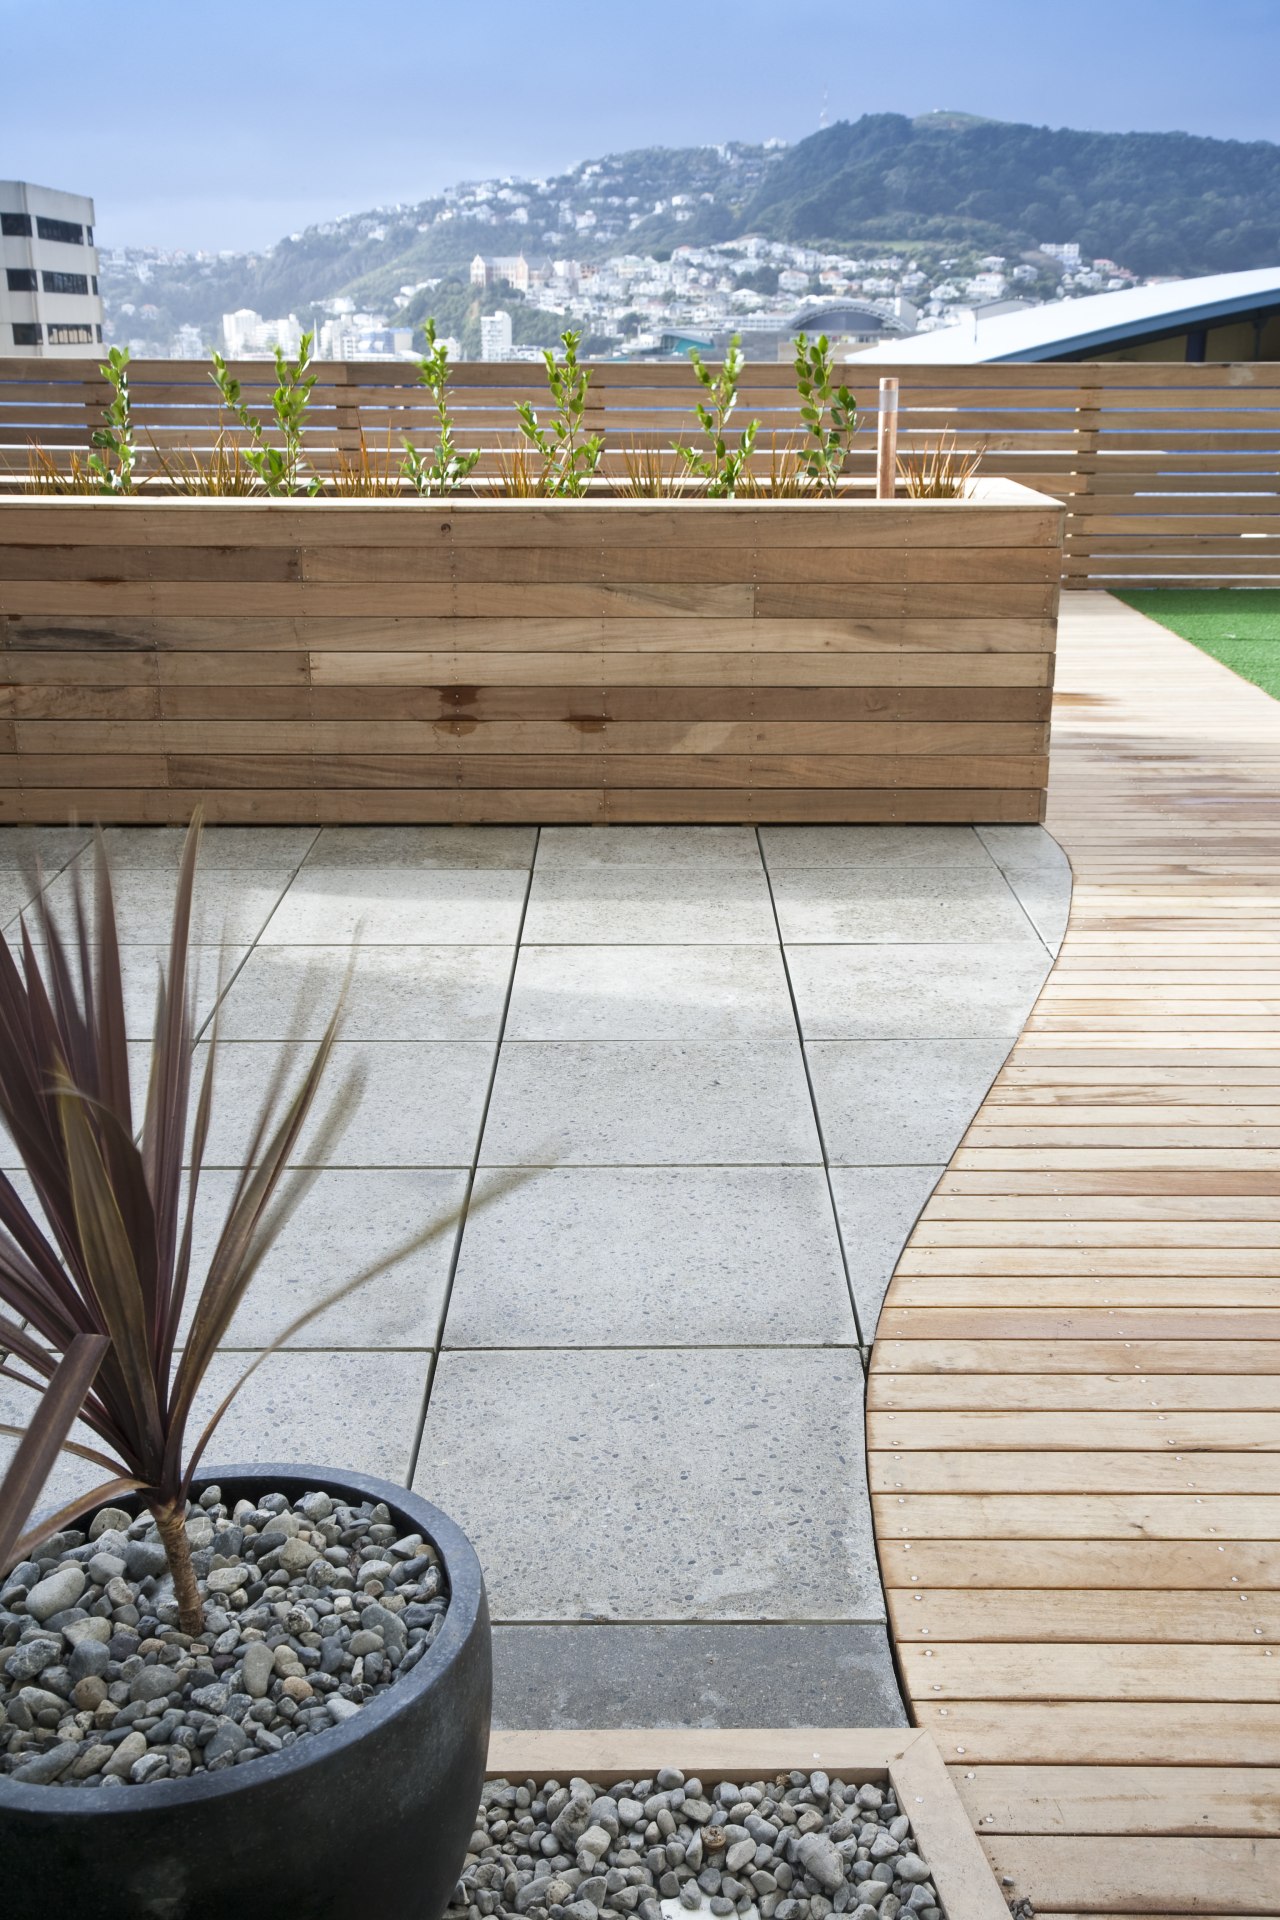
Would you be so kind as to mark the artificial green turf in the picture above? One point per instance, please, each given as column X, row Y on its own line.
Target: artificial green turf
column 1238, row 625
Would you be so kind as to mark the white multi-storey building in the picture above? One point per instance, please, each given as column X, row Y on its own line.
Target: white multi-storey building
column 49, row 299
column 495, row 336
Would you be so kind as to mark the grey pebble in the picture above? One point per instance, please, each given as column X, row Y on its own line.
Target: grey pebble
column 48, row 1766
column 60, row 1589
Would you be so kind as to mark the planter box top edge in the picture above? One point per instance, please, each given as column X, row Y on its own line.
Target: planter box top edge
column 1004, row 494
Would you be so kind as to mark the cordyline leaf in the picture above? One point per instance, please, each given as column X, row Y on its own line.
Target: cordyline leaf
column 55, row 1414
column 169, row 1087
column 111, row 1271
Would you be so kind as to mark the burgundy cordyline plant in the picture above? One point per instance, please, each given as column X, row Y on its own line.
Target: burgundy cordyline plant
column 92, row 1296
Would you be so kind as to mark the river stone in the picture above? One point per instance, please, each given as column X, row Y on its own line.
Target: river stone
column 145, row 1559
column 228, row 1738
column 109, row 1520
column 60, row 1589
column 257, row 1667
column 31, row 1657
column 91, row 1628
column 821, row 1861
column 45, row 1767
column 153, row 1683
column 227, row 1580
column 131, row 1748
column 88, row 1656
column 911, row 1868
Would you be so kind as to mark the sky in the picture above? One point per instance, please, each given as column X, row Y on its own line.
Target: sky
column 231, row 124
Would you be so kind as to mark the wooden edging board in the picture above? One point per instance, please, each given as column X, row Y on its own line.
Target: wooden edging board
column 905, row 1756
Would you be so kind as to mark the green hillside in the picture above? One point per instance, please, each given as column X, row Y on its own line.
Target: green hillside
column 945, row 183
column 1159, row 203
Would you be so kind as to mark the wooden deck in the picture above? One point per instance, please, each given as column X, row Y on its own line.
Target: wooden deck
column 1073, row 1404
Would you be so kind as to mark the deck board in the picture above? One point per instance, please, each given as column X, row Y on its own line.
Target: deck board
column 1075, row 1399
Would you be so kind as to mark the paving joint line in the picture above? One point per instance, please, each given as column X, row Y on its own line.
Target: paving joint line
column 813, row 1100
column 465, row 1210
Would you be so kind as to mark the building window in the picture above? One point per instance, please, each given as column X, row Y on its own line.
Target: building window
column 21, row 279
column 66, row 283
column 88, row 236
column 93, row 282
column 98, row 331
column 27, row 333
column 69, row 231
column 16, row 226
column 70, row 336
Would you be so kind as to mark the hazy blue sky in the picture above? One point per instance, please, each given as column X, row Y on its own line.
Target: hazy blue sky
column 224, row 125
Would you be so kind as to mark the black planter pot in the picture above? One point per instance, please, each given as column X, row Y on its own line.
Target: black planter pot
column 371, row 1816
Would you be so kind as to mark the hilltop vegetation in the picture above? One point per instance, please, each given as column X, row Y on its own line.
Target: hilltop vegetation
column 1158, row 203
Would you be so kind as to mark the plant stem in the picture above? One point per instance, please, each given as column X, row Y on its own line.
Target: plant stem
column 171, row 1524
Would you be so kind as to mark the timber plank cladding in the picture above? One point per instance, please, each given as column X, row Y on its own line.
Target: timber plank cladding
column 481, row 660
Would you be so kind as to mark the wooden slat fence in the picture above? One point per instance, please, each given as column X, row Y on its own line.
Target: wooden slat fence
column 1171, row 473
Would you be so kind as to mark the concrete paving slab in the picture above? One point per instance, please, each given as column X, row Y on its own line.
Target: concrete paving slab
column 1024, row 847
column 661, row 1485
column 419, row 1103
column 786, row 848
column 653, row 1256
column 877, row 1208
column 53, row 847
column 399, row 907
column 893, row 992
column 654, row 906
column 345, row 1222
column 353, row 1410
column 641, row 1103
column 648, row 847
column 225, row 849
column 228, row 906
column 396, row 993
column 650, row 993
column 207, row 967
column 902, row 904
column 900, row 1102
column 834, row 1675
column 442, row 847
column 1045, row 896
column 17, row 891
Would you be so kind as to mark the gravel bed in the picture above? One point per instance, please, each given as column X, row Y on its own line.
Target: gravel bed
column 311, row 1609
column 797, row 1847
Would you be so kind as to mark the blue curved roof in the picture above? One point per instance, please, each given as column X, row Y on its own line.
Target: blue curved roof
column 1096, row 323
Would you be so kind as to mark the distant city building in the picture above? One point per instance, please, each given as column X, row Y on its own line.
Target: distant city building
column 504, row 270
column 495, row 336
column 363, row 336
column 49, row 300
column 247, row 336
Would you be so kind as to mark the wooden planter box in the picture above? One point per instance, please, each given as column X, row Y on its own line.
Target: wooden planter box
column 474, row 660
column 905, row 1756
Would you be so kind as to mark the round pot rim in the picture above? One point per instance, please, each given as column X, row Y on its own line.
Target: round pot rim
column 466, row 1587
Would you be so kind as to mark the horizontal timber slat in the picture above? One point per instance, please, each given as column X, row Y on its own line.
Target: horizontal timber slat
column 832, row 660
